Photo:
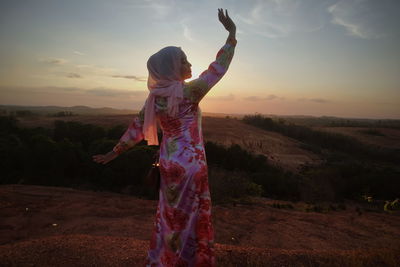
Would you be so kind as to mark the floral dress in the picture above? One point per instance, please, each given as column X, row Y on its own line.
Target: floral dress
column 183, row 233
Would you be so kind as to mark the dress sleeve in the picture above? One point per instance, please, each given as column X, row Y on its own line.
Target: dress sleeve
column 132, row 135
column 195, row 90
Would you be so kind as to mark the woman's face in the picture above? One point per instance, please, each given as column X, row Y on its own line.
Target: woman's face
column 186, row 71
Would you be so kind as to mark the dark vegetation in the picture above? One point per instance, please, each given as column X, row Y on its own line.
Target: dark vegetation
column 63, row 157
column 317, row 141
column 351, row 168
column 341, row 122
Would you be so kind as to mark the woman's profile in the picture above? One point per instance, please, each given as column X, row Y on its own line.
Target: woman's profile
column 183, row 234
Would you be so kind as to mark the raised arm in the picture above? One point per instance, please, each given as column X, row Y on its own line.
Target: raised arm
column 195, row 90
column 131, row 137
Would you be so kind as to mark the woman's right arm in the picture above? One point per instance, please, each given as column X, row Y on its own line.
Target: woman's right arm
column 195, row 90
column 132, row 136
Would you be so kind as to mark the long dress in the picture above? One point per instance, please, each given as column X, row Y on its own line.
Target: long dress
column 182, row 234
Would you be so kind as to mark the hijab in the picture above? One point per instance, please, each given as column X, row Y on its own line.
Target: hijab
column 164, row 80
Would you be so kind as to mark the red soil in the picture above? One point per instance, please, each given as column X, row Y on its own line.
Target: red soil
column 50, row 226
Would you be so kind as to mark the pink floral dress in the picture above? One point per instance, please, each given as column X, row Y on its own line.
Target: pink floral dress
column 183, row 233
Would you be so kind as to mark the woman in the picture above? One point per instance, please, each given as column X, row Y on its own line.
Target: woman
column 183, row 233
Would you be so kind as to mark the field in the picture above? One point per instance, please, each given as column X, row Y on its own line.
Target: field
column 61, row 226
column 381, row 137
column 53, row 226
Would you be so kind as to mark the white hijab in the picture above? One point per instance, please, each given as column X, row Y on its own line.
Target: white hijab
column 164, row 80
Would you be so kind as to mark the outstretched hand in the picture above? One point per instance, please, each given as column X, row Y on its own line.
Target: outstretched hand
column 226, row 20
column 104, row 159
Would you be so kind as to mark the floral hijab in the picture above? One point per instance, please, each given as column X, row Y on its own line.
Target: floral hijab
column 164, row 80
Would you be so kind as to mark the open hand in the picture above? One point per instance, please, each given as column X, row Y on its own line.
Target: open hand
column 226, row 20
column 104, row 159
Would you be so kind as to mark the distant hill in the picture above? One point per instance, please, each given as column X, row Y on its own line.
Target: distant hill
column 307, row 120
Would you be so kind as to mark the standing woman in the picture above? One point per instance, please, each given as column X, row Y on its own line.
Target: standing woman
column 183, row 234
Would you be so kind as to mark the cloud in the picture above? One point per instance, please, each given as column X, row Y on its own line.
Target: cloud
column 75, row 71
column 114, row 92
column 68, row 89
column 160, row 9
column 229, row 97
column 73, row 75
column 367, row 19
column 132, row 77
column 95, row 70
column 316, row 100
column 55, row 61
column 280, row 18
column 271, row 97
column 78, row 53
column 186, row 31
column 258, row 98
column 253, row 98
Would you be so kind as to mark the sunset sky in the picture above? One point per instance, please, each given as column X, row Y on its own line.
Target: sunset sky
column 293, row 57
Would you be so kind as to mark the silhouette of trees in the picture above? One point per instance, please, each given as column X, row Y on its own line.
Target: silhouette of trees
column 327, row 140
column 62, row 156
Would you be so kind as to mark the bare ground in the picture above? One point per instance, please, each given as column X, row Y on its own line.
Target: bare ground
column 53, row 226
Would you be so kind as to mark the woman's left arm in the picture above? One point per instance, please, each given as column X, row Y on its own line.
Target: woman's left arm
column 198, row 88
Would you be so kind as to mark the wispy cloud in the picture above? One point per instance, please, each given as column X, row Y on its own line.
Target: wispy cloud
column 160, row 8
column 280, row 18
column 95, row 70
column 229, row 97
column 187, row 33
column 367, row 19
column 78, row 53
column 74, row 71
column 263, row 98
column 132, row 77
column 73, row 75
column 55, row 61
column 316, row 100
column 114, row 92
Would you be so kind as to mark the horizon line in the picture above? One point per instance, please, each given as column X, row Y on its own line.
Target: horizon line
column 204, row 112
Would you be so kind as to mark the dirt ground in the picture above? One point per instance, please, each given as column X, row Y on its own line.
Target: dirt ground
column 54, row 226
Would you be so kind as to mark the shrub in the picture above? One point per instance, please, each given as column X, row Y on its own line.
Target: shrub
column 226, row 186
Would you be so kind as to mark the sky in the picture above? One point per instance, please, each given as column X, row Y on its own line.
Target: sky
column 293, row 57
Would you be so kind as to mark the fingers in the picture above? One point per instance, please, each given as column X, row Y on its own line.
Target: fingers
column 220, row 14
column 99, row 159
column 224, row 18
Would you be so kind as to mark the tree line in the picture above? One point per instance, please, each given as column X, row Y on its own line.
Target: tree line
column 62, row 156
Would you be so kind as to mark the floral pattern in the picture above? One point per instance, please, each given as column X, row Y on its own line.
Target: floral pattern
column 183, row 234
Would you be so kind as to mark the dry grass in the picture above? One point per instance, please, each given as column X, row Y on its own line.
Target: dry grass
column 385, row 137
column 89, row 250
column 108, row 229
